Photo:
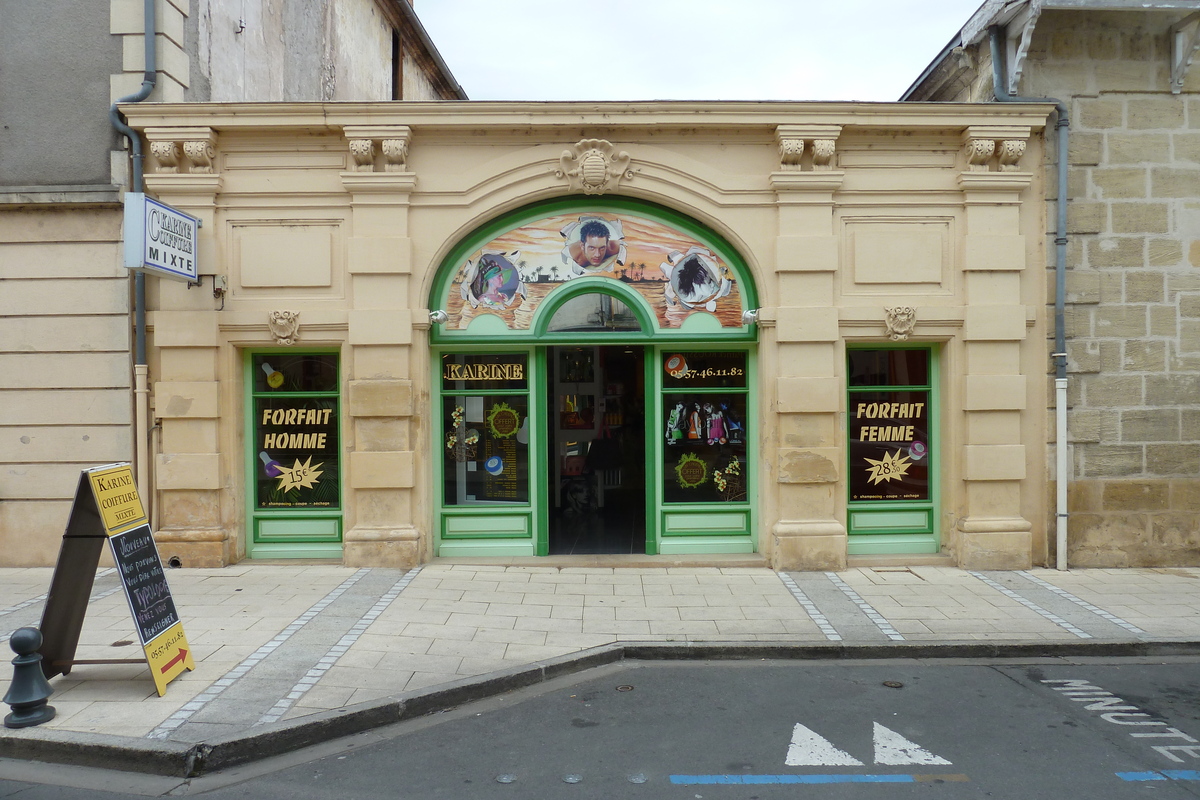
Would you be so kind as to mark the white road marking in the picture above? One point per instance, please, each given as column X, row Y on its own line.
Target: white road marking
column 809, row 749
column 893, row 749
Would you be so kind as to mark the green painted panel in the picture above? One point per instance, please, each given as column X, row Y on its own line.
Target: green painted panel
column 701, row 323
column 714, row 544
column 692, row 524
column 324, row 550
column 298, row 530
column 486, row 548
column 917, row 544
column 483, row 526
column 889, row 521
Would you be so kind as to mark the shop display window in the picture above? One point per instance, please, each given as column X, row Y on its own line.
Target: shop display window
column 486, row 449
column 889, row 429
column 296, row 424
column 704, row 428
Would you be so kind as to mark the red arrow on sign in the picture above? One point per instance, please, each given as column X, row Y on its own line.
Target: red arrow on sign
column 178, row 657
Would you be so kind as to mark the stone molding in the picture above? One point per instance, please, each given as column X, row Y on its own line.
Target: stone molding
column 284, row 326
column 392, row 140
column 183, row 150
column 594, row 166
column 819, row 141
column 994, row 148
column 900, row 321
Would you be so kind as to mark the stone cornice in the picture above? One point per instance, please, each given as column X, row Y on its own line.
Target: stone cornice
column 657, row 117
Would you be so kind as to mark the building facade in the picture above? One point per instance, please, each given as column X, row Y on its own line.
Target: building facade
column 1132, row 302
column 811, row 332
column 66, row 385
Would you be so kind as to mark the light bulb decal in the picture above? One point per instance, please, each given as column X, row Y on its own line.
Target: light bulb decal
column 274, row 376
column 272, row 467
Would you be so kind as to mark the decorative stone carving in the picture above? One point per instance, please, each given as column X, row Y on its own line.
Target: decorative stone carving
column 395, row 153
column 823, row 153
column 594, row 166
column 790, row 152
column 200, row 154
column 979, row 153
column 1011, row 151
column 363, row 151
column 285, row 326
column 900, row 322
column 167, row 156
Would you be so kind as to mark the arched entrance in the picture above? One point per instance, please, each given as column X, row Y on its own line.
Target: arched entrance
column 594, row 385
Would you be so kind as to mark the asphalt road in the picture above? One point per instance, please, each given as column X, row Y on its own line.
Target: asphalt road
column 1103, row 728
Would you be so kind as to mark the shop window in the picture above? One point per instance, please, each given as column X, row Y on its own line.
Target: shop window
column 704, row 426
column 295, row 408
column 595, row 311
column 485, row 437
column 889, row 414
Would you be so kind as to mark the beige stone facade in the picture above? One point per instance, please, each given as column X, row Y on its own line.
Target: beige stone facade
column 842, row 212
column 1133, row 281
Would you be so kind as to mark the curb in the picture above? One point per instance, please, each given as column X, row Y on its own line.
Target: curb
column 183, row 760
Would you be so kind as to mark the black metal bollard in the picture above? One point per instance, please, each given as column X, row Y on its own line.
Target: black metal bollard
column 29, row 690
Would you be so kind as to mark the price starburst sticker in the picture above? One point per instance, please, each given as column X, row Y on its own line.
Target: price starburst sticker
column 889, row 468
column 299, row 476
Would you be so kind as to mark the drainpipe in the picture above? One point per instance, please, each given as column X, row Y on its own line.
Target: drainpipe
column 1062, row 131
column 141, row 370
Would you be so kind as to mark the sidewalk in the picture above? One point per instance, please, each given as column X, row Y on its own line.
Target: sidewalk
column 287, row 653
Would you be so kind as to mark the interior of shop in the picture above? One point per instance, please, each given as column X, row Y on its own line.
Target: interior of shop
column 597, row 450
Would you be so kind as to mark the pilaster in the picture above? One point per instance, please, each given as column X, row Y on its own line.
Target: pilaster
column 809, row 454
column 384, row 467
column 993, row 534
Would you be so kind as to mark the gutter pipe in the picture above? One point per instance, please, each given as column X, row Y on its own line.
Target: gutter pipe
column 141, row 369
column 1062, row 132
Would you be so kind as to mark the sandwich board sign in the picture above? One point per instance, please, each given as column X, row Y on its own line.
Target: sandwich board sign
column 159, row 239
column 107, row 508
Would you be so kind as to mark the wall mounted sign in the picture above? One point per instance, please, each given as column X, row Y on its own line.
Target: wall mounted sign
column 159, row 239
column 107, row 507
column 677, row 274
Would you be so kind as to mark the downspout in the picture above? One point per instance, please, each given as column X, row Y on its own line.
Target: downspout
column 1062, row 131
column 141, row 370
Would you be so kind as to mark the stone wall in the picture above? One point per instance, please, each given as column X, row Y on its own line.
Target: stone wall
column 1133, row 283
column 65, row 394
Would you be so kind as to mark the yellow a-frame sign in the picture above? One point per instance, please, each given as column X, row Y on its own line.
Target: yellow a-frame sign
column 107, row 507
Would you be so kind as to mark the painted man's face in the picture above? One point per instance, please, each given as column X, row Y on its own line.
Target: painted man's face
column 595, row 250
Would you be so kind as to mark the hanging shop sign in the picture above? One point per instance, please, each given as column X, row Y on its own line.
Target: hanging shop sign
column 889, row 446
column 159, row 240
column 107, row 507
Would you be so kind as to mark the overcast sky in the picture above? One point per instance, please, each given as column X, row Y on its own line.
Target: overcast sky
column 690, row 49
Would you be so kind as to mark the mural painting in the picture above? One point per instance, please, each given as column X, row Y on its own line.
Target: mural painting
column 676, row 274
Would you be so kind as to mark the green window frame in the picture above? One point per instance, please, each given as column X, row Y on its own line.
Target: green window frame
column 892, row 449
column 294, row 464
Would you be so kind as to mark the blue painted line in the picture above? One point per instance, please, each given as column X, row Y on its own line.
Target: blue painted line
column 1182, row 774
column 1165, row 775
column 1141, row 776
column 745, row 780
